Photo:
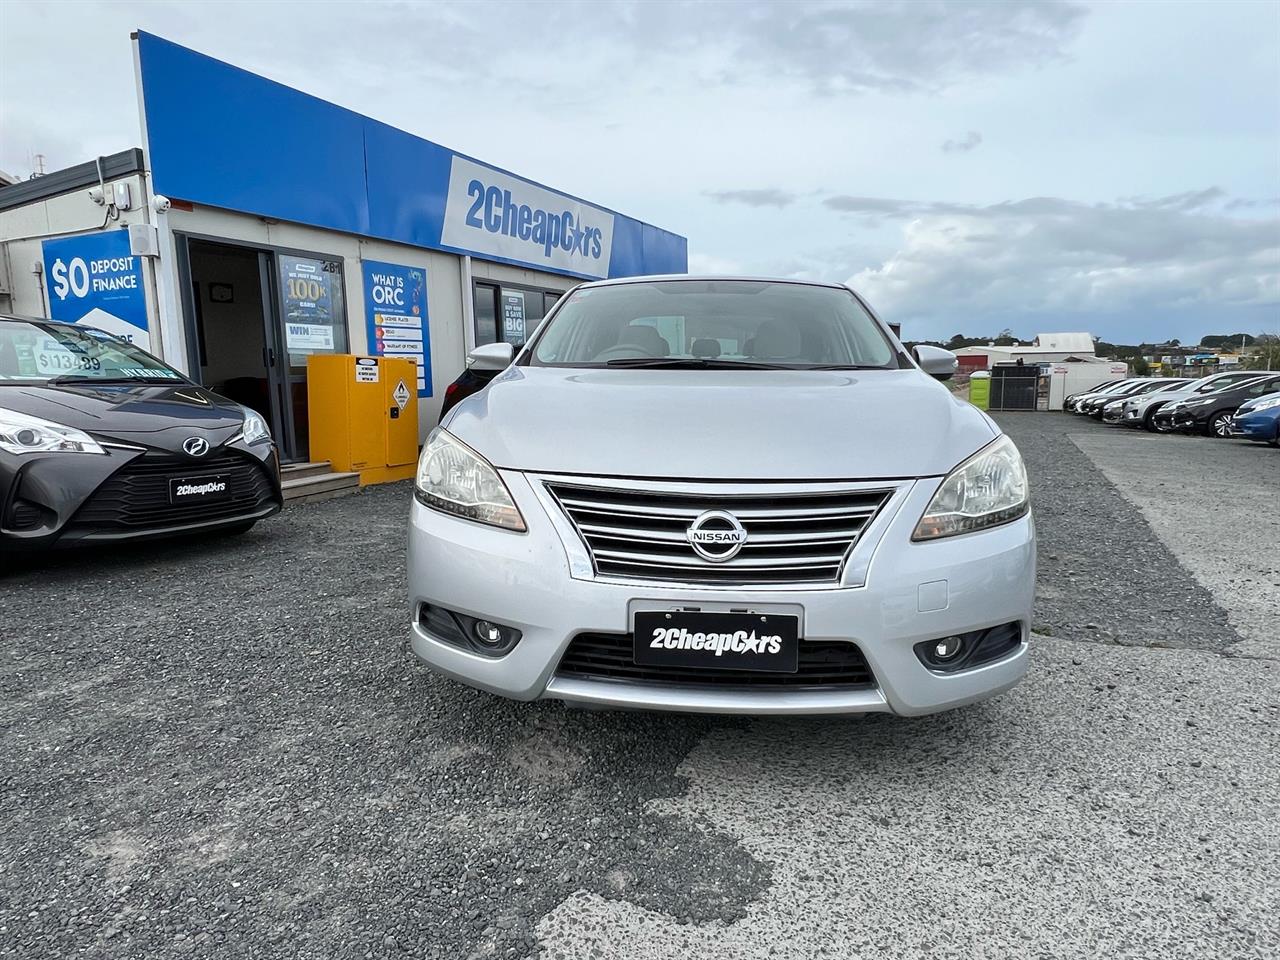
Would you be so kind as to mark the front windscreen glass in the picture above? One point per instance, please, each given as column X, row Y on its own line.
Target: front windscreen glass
column 713, row 323
column 46, row 352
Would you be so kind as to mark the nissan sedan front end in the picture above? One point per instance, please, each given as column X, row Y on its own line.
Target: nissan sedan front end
column 722, row 496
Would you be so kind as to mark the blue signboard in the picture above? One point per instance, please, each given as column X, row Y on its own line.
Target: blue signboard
column 395, row 311
column 94, row 279
column 224, row 137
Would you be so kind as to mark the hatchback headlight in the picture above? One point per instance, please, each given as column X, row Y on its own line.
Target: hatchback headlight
column 454, row 479
column 1266, row 404
column 254, row 429
column 988, row 489
column 22, row 433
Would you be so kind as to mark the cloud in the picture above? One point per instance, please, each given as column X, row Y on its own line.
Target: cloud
column 703, row 264
column 768, row 197
column 928, row 45
column 968, row 142
column 1042, row 258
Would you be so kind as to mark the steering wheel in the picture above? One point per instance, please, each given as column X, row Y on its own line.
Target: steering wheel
column 620, row 351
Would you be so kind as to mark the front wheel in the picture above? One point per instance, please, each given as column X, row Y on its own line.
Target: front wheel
column 1220, row 425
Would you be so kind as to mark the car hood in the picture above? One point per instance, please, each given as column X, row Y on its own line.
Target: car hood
column 721, row 424
column 150, row 414
column 1249, row 405
column 1163, row 395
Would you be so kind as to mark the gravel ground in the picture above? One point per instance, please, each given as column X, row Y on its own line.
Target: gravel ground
column 223, row 748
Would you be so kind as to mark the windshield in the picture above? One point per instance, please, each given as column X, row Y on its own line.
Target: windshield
column 751, row 324
column 30, row 350
column 1223, row 382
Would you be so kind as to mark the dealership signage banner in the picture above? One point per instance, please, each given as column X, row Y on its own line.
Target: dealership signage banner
column 370, row 180
column 395, row 312
column 95, row 280
column 489, row 211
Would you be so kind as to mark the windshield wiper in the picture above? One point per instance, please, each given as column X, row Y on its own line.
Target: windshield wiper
column 701, row 363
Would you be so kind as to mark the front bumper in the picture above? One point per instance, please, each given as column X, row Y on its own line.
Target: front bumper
column 1263, row 427
column 912, row 592
column 60, row 499
column 1189, row 422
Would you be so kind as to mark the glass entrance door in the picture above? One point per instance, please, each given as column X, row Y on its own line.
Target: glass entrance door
column 254, row 315
column 311, row 301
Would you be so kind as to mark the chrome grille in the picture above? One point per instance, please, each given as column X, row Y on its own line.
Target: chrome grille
column 791, row 538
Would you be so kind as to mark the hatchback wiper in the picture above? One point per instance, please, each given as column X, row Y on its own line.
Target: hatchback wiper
column 701, row 363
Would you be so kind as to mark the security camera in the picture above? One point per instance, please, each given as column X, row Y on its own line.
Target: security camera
column 160, row 203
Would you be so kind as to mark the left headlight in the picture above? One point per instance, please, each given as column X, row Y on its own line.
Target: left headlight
column 1265, row 404
column 254, row 429
column 988, row 489
column 22, row 433
column 454, row 479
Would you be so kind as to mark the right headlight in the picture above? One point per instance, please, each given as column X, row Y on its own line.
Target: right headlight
column 454, row 479
column 988, row 489
column 22, row 433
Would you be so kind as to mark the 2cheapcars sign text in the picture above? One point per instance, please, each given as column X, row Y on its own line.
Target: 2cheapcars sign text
column 488, row 211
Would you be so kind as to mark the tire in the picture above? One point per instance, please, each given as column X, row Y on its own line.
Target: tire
column 1219, row 425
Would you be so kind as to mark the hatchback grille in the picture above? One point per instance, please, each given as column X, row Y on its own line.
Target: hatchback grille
column 609, row 656
column 791, row 538
column 136, row 497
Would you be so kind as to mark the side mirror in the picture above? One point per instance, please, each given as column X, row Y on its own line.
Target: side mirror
column 492, row 356
column 936, row 362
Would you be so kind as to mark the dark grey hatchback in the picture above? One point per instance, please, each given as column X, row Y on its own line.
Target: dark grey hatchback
column 100, row 441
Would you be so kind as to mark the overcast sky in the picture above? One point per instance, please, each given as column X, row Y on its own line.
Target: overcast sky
column 967, row 166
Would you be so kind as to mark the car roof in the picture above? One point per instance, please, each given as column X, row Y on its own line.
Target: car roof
column 667, row 277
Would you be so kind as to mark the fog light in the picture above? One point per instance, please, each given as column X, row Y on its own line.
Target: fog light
column 948, row 648
column 490, row 634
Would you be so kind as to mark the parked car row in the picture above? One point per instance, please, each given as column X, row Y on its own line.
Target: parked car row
column 1241, row 403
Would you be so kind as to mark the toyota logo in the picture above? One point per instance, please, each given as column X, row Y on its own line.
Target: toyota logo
column 716, row 536
column 195, row 446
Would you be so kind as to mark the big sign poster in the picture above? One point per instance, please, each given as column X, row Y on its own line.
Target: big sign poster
column 95, row 280
column 309, row 321
column 395, row 310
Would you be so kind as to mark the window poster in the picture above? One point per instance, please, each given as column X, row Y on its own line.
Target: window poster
column 513, row 316
column 306, row 285
column 395, row 311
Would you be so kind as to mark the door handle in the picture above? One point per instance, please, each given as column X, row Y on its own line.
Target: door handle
column 268, row 357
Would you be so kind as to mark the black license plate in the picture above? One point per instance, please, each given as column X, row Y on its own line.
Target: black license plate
column 204, row 489
column 718, row 641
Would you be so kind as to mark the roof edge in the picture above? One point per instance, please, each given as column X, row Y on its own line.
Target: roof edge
column 71, row 178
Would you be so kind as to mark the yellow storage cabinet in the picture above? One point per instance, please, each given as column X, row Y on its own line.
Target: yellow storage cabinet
column 364, row 414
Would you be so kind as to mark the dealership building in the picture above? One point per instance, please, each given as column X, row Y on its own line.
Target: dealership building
column 257, row 225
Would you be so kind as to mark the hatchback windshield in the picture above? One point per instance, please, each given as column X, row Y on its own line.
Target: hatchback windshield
column 31, row 350
column 713, row 323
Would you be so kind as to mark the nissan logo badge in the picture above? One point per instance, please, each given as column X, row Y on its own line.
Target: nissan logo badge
column 716, row 536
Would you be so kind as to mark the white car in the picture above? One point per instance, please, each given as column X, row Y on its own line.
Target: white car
column 722, row 495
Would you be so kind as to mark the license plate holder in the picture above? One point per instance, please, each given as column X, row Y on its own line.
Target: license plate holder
column 712, row 640
column 207, row 488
